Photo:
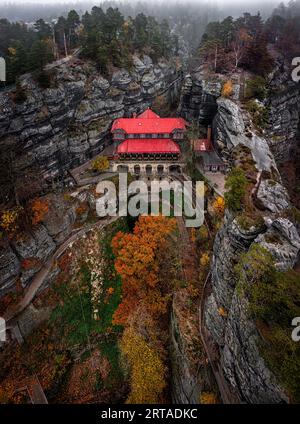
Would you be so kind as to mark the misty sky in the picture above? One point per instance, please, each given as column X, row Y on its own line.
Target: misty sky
column 212, row 2
column 30, row 10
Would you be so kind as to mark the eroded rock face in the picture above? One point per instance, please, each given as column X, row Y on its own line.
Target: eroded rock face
column 230, row 131
column 9, row 268
column 38, row 245
column 198, row 98
column 241, row 360
column 186, row 386
column 60, row 219
column 273, row 196
column 284, row 116
column 191, row 374
column 22, row 257
column 282, row 241
column 63, row 126
column 233, row 331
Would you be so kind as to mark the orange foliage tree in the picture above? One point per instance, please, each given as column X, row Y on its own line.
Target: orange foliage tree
column 39, row 208
column 137, row 263
column 208, row 398
column 227, row 89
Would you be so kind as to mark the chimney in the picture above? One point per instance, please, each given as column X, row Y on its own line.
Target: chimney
column 209, row 133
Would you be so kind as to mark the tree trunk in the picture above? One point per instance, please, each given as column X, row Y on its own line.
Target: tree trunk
column 216, row 58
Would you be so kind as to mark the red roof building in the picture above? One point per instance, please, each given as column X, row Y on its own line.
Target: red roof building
column 161, row 146
column 148, row 135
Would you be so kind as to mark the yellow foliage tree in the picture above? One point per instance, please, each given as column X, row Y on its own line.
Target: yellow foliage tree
column 12, row 51
column 204, row 260
column 227, row 89
column 193, row 235
column 203, row 233
column 222, row 312
column 147, row 369
column 219, row 205
column 100, row 164
column 9, row 220
column 208, row 398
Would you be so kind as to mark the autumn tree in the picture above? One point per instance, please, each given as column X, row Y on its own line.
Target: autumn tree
column 239, row 45
column 208, row 398
column 147, row 378
column 137, row 263
column 100, row 164
column 39, row 208
column 219, row 206
column 227, row 89
column 9, row 220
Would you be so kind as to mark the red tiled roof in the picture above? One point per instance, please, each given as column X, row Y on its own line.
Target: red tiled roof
column 203, row 145
column 147, row 114
column 160, row 145
column 149, row 123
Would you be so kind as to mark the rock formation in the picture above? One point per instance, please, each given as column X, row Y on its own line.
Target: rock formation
column 60, row 127
column 234, row 332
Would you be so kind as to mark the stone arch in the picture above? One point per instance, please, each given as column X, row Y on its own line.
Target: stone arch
column 122, row 168
column 160, row 169
column 175, row 169
column 148, row 169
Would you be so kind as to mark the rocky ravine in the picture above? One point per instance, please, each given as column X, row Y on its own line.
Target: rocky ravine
column 235, row 334
column 63, row 126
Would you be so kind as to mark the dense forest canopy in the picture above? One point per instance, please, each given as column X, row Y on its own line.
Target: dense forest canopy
column 187, row 18
column 108, row 38
column 245, row 41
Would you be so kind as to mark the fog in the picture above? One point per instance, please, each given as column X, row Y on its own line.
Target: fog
column 30, row 10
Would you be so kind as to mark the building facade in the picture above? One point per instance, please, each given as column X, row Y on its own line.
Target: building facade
column 147, row 144
column 147, row 137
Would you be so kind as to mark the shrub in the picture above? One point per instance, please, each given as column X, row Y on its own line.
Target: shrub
column 100, row 164
column 256, row 88
column 236, row 184
column 274, row 300
column 259, row 114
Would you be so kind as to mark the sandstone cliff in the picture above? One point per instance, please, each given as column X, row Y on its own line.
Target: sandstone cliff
column 234, row 332
column 60, row 127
